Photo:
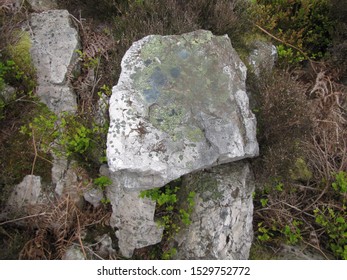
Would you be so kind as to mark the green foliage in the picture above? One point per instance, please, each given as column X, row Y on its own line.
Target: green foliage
column 300, row 171
column 3, row 70
column 304, row 24
column 292, row 232
column 335, row 224
column 68, row 135
column 171, row 211
column 172, row 215
column 289, row 55
column 42, row 129
column 340, row 185
column 76, row 137
column 20, row 68
column 334, row 221
column 264, row 233
column 264, row 201
column 105, row 201
column 102, row 182
column 105, row 89
column 88, row 62
column 168, row 255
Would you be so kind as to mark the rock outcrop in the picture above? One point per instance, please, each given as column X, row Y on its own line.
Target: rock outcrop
column 54, row 45
column 180, row 106
column 221, row 225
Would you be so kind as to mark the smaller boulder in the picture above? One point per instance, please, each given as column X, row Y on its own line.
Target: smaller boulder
column 263, row 57
column 27, row 193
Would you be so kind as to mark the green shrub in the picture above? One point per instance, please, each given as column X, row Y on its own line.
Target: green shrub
column 333, row 218
column 102, row 182
column 304, row 24
column 172, row 215
column 335, row 224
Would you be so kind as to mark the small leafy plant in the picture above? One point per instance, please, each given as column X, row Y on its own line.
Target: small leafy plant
column 171, row 211
column 170, row 214
column 102, row 182
column 292, row 232
column 334, row 218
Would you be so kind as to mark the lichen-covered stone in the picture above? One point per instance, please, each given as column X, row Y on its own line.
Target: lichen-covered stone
column 54, row 45
column 221, row 225
column 180, row 105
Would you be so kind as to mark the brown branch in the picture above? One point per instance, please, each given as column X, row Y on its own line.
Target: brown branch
column 288, row 44
column 35, row 150
column 79, row 236
column 22, row 218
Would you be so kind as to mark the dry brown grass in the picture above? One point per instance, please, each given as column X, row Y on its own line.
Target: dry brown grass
column 60, row 225
column 300, row 118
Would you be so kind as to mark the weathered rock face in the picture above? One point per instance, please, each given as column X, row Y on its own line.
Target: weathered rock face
column 263, row 57
column 180, row 105
column 132, row 217
column 221, row 225
column 54, row 45
column 27, row 193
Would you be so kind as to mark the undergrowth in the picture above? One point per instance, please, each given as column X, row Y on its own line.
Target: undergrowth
column 171, row 213
column 303, row 29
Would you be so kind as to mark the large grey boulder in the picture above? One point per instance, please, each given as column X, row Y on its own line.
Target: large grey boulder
column 54, row 44
column 221, row 225
column 180, row 105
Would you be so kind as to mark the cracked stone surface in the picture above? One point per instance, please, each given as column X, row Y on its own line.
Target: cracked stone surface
column 221, row 222
column 132, row 217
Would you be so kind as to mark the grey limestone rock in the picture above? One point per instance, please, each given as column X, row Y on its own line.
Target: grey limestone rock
column 295, row 252
column 221, row 225
column 132, row 217
column 180, row 105
column 27, row 193
column 65, row 179
column 73, row 253
column 7, row 94
column 54, row 45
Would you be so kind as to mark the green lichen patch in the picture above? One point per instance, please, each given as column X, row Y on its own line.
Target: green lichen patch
column 181, row 77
